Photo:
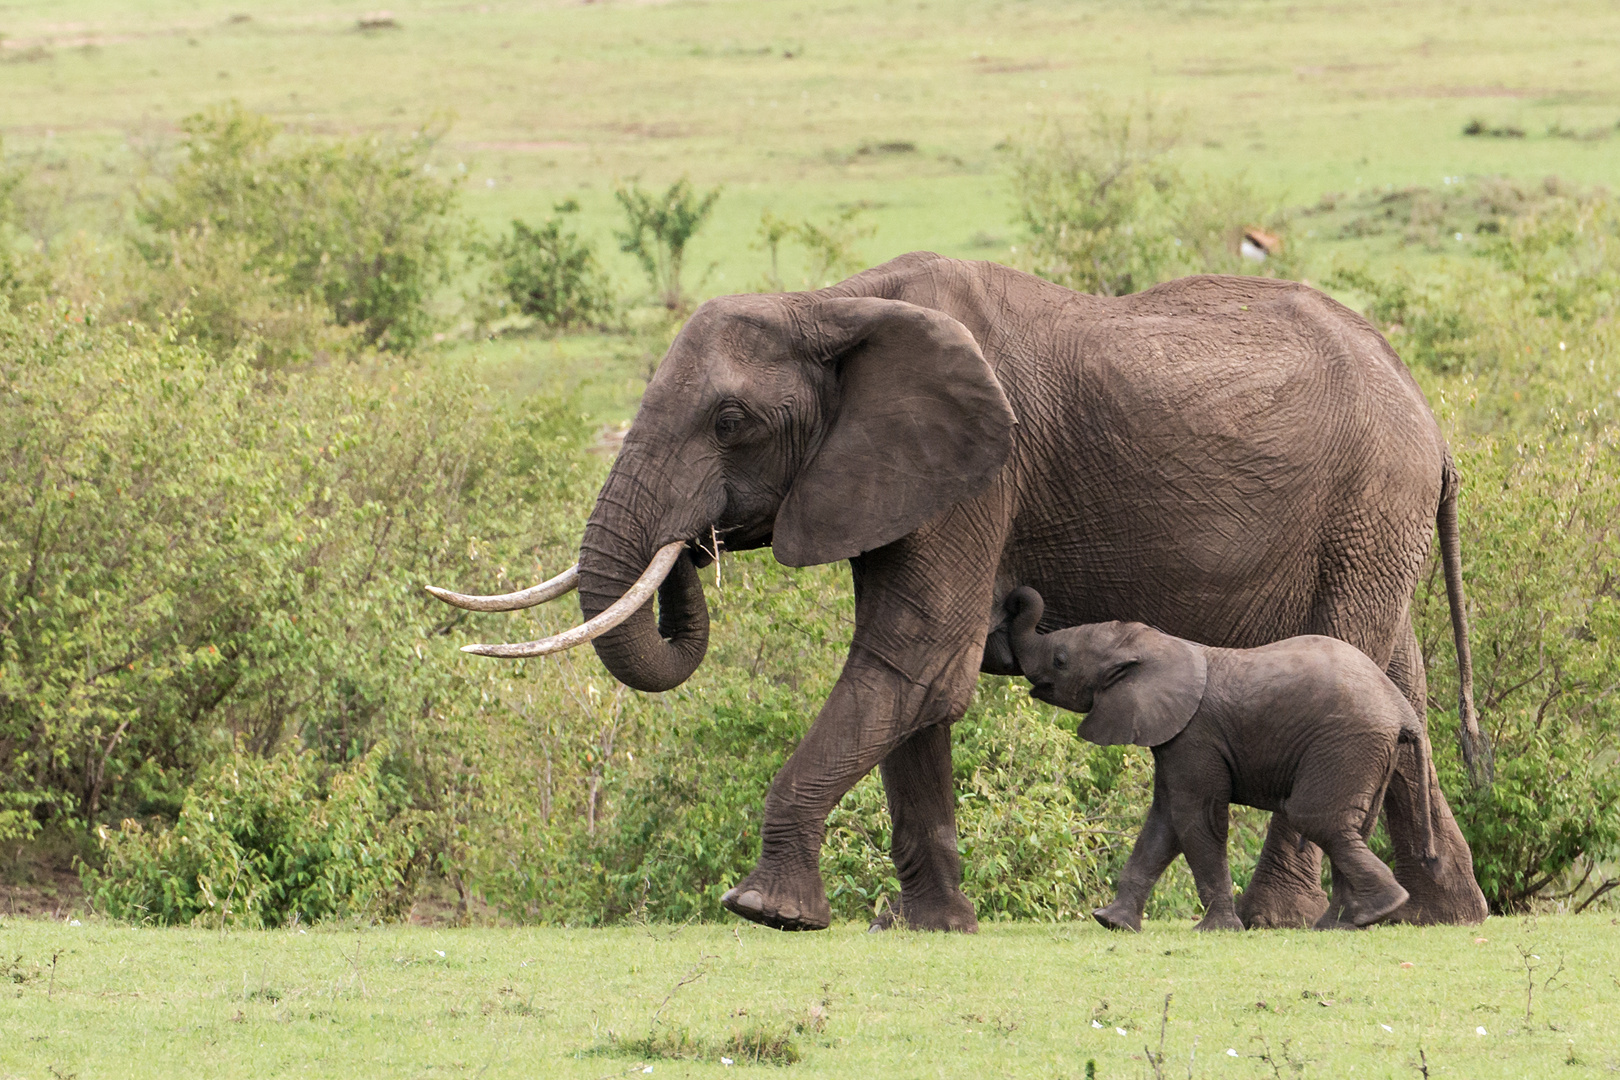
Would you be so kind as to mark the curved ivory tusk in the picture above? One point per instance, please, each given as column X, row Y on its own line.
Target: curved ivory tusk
column 622, row 608
column 565, row 582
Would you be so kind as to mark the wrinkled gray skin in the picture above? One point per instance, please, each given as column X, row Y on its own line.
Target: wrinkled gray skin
column 1307, row 727
column 1236, row 460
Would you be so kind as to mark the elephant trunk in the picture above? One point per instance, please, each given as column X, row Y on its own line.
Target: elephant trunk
column 1026, row 607
column 641, row 652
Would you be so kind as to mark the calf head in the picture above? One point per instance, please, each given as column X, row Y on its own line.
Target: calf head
column 1135, row 684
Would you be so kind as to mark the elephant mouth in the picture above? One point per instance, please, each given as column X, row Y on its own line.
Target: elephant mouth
column 1043, row 691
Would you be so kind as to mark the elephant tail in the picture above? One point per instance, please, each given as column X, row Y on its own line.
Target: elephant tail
column 1476, row 747
column 1412, row 732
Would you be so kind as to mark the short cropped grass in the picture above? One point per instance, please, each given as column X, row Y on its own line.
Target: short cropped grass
column 100, row 1000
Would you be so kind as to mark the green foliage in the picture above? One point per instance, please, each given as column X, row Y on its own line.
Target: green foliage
column 657, row 229
column 1517, row 351
column 1107, row 212
column 198, row 558
column 549, row 274
column 1540, row 524
column 829, row 247
column 356, row 228
column 263, row 841
column 1421, row 319
column 21, row 275
column 1564, row 257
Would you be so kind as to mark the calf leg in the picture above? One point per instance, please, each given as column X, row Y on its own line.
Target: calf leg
column 1335, row 803
column 1200, row 826
column 1156, row 847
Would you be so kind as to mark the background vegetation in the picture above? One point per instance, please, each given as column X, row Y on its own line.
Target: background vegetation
column 271, row 360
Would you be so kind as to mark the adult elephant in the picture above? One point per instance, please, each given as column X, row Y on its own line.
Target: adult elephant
column 1233, row 460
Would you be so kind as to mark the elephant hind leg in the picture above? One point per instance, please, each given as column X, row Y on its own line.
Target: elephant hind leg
column 1445, row 892
column 1286, row 889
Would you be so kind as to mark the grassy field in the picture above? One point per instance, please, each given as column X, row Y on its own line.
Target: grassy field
column 96, row 1001
column 788, row 104
column 903, row 109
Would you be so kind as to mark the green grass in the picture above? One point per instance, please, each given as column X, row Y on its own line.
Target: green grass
column 1017, row 1000
column 561, row 100
column 552, row 100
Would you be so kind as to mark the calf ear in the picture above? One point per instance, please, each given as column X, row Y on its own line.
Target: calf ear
column 919, row 423
column 1153, row 698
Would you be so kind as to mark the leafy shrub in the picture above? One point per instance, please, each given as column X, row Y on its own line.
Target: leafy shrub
column 1517, row 351
column 1540, row 546
column 658, row 228
column 1564, row 257
column 829, row 247
column 198, row 559
column 549, row 274
column 1421, row 319
column 21, row 276
column 260, row 842
column 357, row 226
column 1106, row 212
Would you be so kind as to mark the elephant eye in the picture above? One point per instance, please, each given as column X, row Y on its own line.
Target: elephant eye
column 729, row 424
column 1060, row 660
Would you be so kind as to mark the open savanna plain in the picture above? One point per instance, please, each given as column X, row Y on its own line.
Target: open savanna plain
column 1511, row 998
column 904, row 110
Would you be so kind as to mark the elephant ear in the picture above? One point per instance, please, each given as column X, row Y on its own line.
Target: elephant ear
column 919, row 423
column 1152, row 697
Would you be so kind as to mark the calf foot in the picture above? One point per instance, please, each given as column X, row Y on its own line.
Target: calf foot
column 1219, row 920
column 1118, row 916
column 1364, row 910
column 783, row 904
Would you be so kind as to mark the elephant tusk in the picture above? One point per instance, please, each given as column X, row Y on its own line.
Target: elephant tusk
column 565, row 582
column 621, row 609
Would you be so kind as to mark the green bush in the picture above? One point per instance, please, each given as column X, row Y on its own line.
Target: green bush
column 357, row 228
column 1540, row 525
column 1517, row 352
column 260, row 842
column 829, row 247
column 549, row 274
column 657, row 229
column 198, row 559
column 22, row 277
column 1106, row 211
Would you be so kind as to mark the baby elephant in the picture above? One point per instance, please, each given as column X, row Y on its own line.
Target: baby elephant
column 1307, row 727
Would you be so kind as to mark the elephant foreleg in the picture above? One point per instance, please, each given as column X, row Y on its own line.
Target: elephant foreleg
column 1156, row 848
column 873, row 709
column 922, row 805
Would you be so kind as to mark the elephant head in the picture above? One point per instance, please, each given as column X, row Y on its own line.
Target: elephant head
column 1135, row 684
column 824, row 426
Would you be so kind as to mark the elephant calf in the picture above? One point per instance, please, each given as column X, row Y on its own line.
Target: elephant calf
column 1307, row 727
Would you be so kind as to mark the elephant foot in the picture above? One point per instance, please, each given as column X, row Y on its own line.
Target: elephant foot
column 787, row 908
column 1219, row 920
column 953, row 912
column 1442, row 892
column 1364, row 909
column 1117, row 916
